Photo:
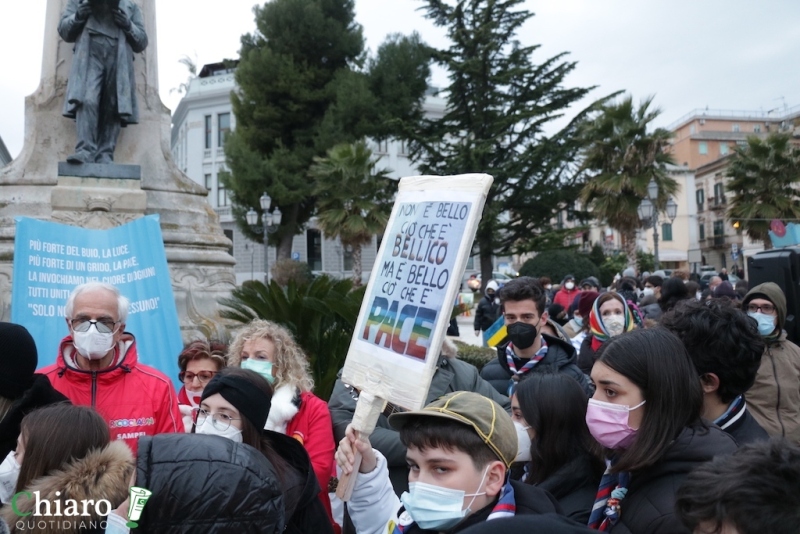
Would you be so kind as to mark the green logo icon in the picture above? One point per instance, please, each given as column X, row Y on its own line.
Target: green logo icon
column 138, row 499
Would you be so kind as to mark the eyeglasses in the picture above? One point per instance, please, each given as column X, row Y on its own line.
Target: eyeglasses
column 202, row 376
column 104, row 326
column 766, row 308
column 220, row 421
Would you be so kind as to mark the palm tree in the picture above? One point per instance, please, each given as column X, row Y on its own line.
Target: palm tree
column 191, row 66
column 621, row 158
column 353, row 198
column 763, row 179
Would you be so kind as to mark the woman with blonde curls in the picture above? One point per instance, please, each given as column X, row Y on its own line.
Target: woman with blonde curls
column 270, row 350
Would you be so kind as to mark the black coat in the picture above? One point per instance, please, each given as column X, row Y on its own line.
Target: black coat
column 486, row 313
column 586, row 356
column 560, row 358
column 574, row 486
column 209, row 484
column 649, row 507
column 39, row 393
column 747, row 430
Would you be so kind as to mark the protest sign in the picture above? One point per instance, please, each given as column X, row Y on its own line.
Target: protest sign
column 50, row 259
column 411, row 293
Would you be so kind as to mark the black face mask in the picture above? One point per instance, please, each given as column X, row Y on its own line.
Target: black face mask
column 522, row 335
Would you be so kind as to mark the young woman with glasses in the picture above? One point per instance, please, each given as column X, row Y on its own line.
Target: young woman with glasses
column 235, row 405
column 198, row 363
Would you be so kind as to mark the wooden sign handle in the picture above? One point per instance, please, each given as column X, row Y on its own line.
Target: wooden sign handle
column 368, row 409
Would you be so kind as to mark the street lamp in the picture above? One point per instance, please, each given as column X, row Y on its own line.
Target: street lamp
column 648, row 215
column 269, row 225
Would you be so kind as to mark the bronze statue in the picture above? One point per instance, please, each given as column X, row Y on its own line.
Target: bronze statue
column 101, row 91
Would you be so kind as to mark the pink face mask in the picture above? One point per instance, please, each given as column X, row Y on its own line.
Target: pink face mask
column 608, row 423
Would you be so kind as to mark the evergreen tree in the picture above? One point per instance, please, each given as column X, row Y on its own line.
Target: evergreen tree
column 355, row 200
column 764, row 177
column 498, row 105
column 303, row 87
column 622, row 157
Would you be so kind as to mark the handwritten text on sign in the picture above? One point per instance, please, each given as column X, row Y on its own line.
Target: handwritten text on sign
column 414, row 270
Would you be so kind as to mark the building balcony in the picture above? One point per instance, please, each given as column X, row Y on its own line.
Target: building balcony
column 716, row 206
column 724, row 241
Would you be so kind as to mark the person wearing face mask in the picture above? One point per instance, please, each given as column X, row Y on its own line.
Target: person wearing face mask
column 98, row 366
column 646, row 413
column 21, row 392
column 609, row 316
column 583, row 307
column 235, row 405
column 269, row 349
column 650, row 297
column 487, row 310
column 774, row 398
column 198, row 362
column 522, row 302
column 560, row 456
column 566, row 292
column 459, row 450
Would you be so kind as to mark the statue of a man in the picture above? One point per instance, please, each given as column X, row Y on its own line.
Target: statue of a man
column 101, row 92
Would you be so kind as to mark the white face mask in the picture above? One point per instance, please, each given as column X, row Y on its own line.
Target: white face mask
column 232, row 433
column 9, row 473
column 92, row 344
column 523, row 443
column 648, row 291
column 570, row 286
column 615, row 324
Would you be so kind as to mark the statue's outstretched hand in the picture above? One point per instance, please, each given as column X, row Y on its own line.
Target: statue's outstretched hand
column 122, row 19
column 83, row 11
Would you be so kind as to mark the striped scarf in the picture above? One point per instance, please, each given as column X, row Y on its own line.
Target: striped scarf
column 734, row 412
column 530, row 364
column 598, row 329
column 506, row 507
column 607, row 504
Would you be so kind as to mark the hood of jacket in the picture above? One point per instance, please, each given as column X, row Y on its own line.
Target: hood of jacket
column 101, row 474
column 210, row 484
column 125, row 359
column 773, row 293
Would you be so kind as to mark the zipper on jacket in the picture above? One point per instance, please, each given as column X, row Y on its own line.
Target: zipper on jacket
column 778, row 384
column 94, row 389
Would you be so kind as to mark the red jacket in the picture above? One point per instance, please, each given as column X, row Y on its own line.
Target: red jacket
column 565, row 297
column 134, row 399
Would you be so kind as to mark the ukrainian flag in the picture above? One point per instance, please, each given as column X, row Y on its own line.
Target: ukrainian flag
column 496, row 334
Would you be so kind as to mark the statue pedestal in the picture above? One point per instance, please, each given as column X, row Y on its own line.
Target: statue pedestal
column 39, row 184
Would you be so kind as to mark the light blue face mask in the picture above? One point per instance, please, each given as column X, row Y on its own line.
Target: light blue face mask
column 437, row 508
column 578, row 321
column 766, row 323
column 262, row 367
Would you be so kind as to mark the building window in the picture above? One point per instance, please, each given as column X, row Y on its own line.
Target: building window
column 735, row 127
column 702, row 230
column 666, row 232
column 719, row 194
column 382, row 147
column 229, row 235
column 208, row 182
column 723, row 149
column 208, row 131
column 700, row 195
column 719, row 228
column 703, row 147
column 470, row 263
column 757, row 128
column 314, row 249
column 403, row 151
column 223, row 128
column 347, row 258
column 222, row 195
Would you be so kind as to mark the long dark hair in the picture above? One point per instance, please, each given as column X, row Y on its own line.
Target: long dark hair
column 56, row 435
column 554, row 405
column 656, row 361
column 251, row 435
column 673, row 290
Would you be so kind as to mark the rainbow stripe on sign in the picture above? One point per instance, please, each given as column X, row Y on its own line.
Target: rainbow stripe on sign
column 496, row 334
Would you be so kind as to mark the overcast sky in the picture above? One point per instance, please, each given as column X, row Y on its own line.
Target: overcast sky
column 736, row 54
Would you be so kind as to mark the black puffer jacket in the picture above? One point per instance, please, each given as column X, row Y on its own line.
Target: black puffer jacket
column 560, row 359
column 649, row 507
column 574, row 486
column 486, row 313
column 208, row 484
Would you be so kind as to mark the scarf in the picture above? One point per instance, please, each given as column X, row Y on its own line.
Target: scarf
column 734, row 412
column 607, row 503
column 598, row 329
column 506, row 507
column 530, row 364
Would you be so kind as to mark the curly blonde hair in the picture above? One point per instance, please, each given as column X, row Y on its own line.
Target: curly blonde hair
column 291, row 363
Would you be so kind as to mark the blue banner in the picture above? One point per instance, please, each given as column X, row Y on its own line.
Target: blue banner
column 50, row 259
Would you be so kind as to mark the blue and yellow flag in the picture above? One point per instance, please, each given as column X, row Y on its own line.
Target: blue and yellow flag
column 496, row 334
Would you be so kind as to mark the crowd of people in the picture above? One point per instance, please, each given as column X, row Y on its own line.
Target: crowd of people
column 644, row 407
